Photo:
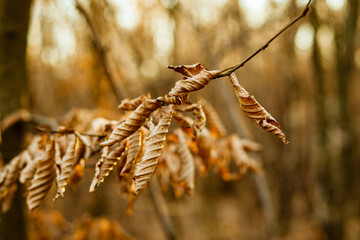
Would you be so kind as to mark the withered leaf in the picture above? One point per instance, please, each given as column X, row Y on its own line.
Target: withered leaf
column 183, row 121
column 255, row 111
column 187, row 167
column 197, row 110
column 31, row 156
column 206, row 147
column 133, row 143
column 66, row 166
column 43, row 178
column 241, row 158
column 213, row 119
column 110, row 157
column 8, row 184
column 132, row 104
column 154, row 145
column 133, row 122
column 197, row 77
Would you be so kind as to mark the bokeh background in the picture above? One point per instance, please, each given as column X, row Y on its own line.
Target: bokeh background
column 308, row 79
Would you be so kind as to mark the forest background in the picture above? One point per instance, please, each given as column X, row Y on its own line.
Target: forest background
column 307, row 79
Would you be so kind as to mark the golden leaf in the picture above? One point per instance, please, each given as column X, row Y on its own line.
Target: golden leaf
column 132, row 104
column 188, row 70
column 197, row 110
column 133, row 143
column 43, row 178
column 66, row 166
column 28, row 171
column 154, row 145
column 255, row 111
column 31, row 156
column 183, row 121
column 241, row 158
column 197, row 77
column 8, row 184
column 205, row 146
column 172, row 161
column 250, row 146
column 133, row 122
column 187, row 167
column 213, row 119
column 110, row 157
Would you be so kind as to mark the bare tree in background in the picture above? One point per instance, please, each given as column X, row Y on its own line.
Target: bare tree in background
column 14, row 20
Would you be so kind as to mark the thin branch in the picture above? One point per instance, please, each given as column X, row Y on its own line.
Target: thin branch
column 68, row 131
column 119, row 92
column 160, row 208
column 228, row 71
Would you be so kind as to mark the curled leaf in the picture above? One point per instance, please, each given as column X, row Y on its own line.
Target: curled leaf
column 8, row 182
column 241, row 158
column 197, row 77
column 213, row 119
column 132, row 104
column 172, row 161
column 183, row 121
column 110, row 157
column 66, row 166
column 133, row 122
column 255, row 111
column 197, row 110
column 154, row 145
column 28, row 172
column 43, row 178
column 206, row 147
column 133, row 150
column 250, row 146
column 31, row 156
column 187, row 167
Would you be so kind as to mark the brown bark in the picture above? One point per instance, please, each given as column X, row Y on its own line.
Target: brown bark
column 14, row 19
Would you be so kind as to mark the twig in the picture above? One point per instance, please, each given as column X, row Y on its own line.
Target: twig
column 161, row 208
column 228, row 71
column 69, row 131
column 119, row 92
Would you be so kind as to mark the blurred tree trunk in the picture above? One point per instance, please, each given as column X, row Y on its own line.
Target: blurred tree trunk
column 338, row 174
column 14, row 20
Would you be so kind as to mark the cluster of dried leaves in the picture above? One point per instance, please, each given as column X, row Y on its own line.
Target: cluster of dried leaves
column 52, row 225
column 138, row 144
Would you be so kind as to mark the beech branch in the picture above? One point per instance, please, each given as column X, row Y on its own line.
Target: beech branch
column 230, row 70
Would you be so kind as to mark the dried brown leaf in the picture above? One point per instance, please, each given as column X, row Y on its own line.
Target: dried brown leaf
column 172, row 161
column 187, row 167
column 43, row 178
column 133, row 122
column 251, row 146
column 66, row 166
column 213, row 119
column 197, row 77
column 28, row 172
column 241, row 158
column 183, row 121
column 188, row 70
column 8, row 181
column 255, row 111
column 132, row 104
column 154, row 145
column 197, row 110
column 205, row 146
column 110, row 157
column 133, row 146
